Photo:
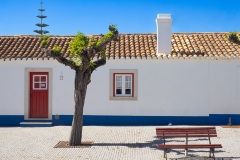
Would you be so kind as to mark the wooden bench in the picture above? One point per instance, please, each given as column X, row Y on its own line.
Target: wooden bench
column 187, row 132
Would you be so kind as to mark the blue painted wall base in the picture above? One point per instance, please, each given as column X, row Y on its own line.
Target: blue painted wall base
column 223, row 119
column 11, row 120
column 212, row 119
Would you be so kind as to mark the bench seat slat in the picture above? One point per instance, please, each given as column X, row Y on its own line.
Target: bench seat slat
column 186, row 132
column 184, row 136
column 182, row 130
column 181, row 146
column 193, row 130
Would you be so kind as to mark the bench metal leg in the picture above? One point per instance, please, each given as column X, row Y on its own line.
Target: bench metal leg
column 186, row 150
column 211, row 153
column 165, row 153
column 209, row 140
column 211, row 149
column 165, row 150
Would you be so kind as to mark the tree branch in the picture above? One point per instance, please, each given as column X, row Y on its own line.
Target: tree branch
column 60, row 58
column 98, row 63
column 104, row 43
column 112, row 30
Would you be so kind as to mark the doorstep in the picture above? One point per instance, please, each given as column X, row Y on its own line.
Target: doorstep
column 36, row 124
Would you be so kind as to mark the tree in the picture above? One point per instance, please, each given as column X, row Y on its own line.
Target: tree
column 233, row 37
column 41, row 25
column 83, row 50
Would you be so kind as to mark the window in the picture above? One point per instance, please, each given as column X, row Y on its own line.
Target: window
column 39, row 82
column 123, row 84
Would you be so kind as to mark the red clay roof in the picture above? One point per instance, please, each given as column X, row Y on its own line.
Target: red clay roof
column 184, row 45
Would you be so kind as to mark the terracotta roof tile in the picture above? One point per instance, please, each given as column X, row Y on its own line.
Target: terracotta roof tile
column 184, row 45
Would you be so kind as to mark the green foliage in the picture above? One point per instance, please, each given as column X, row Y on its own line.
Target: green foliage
column 44, row 40
column 81, row 42
column 112, row 30
column 232, row 36
column 78, row 43
column 56, row 49
column 41, row 25
column 103, row 55
column 93, row 41
column 41, row 16
column 105, row 37
column 92, row 64
column 42, row 32
column 76, row 60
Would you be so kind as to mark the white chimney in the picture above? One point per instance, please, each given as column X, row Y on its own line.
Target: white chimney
column 164, row 27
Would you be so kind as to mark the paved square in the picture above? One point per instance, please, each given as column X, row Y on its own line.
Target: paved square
column 110, row 143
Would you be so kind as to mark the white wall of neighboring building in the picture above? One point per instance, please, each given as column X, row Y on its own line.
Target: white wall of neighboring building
column 177, row 87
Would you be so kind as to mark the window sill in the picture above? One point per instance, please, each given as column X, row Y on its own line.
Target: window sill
column 123, row 98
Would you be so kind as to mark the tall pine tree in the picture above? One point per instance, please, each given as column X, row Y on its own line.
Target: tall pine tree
column 41, row 25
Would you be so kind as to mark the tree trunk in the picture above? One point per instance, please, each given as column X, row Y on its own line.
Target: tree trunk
column 82, row 78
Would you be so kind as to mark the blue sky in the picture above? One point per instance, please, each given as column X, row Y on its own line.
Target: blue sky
column 67, row 17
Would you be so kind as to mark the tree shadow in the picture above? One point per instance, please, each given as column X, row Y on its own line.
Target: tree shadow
column 192, row 153
column 148, row 144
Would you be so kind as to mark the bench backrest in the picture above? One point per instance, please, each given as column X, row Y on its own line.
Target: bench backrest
column 187, row 132
column 187, row 128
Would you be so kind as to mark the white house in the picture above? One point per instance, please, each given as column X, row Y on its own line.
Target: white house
column 149, row 79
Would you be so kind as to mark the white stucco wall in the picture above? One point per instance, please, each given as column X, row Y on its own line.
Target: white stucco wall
column 178, row 87
column 170, row 88
column 12, row 86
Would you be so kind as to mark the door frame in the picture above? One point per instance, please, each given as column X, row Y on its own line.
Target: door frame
column 27, row 92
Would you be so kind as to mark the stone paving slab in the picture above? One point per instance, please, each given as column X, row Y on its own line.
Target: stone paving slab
column 110, row 143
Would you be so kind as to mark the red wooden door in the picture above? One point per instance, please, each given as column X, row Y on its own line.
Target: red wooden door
column 38, row 94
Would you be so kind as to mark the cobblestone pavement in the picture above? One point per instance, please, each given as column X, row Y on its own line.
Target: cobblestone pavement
column 110, row 143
